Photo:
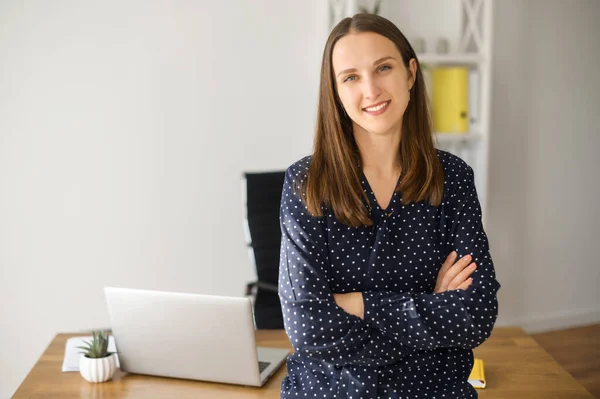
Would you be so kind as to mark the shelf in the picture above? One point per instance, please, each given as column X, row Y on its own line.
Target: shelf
column 458, row 137
column 449, row 59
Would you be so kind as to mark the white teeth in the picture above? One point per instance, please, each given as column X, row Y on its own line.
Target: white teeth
column 377, row 108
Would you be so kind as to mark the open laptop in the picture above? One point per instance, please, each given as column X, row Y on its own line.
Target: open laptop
column 189, row 336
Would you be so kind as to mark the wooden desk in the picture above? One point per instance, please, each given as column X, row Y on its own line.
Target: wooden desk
column 516, row 367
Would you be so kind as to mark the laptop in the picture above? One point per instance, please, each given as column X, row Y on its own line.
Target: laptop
column 189, row 336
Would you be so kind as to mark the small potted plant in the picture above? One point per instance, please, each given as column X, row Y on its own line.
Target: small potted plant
column 97, row 364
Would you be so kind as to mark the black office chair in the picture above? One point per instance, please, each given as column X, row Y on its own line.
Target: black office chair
column 261, row 193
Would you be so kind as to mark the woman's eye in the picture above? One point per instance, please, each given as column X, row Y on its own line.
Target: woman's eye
column 350, row 78
column 384, row 67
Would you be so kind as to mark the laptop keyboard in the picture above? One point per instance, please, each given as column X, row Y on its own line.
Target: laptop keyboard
column 262, row 366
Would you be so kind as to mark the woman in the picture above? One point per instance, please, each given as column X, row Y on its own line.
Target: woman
column 386, row 281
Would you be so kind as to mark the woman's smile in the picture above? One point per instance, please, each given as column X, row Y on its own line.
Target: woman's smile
column 377, row 109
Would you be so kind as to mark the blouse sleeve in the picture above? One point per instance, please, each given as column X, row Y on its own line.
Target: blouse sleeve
column 315, row 325
column 458, row 318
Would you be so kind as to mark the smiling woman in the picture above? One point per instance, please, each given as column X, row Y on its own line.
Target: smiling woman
column 372, row 99
column 385, row 279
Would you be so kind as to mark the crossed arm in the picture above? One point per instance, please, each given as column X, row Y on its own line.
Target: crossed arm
column 452, row 276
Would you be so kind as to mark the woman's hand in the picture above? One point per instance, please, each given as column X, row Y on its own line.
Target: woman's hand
column 352, row 303
column 455, row 276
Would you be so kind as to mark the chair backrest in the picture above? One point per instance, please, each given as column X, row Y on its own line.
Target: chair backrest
column 262, row 199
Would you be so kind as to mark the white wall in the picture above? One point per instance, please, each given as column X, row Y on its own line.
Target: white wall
column 544, row 185
column 124, row 131
column 125, row 127
column 563, row 217
column 508, row 152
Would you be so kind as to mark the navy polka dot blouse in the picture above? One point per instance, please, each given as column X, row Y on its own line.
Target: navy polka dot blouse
column 412, row 343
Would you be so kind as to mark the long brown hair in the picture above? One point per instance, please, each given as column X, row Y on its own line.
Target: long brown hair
column 334, row 177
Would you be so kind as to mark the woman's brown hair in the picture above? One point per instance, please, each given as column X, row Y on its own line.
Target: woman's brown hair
column 334, row 176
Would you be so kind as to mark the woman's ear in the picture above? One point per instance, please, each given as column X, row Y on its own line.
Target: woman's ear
column 412, row 72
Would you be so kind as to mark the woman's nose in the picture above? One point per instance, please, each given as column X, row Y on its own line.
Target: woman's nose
column 371, row 89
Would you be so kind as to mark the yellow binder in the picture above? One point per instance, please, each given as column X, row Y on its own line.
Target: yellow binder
column 450, row 99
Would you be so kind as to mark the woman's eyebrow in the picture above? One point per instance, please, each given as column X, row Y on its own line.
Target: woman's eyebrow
column 375, row 63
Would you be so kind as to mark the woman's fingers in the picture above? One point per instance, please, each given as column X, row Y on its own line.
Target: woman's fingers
column 455, row 274
column 448, row 262
column 465, row 285
column 455, row 270
column 462, row 276
column 439, row 283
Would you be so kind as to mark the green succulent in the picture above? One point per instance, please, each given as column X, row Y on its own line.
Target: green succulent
column 98, row 347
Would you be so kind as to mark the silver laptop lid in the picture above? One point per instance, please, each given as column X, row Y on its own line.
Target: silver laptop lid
column 191, row 336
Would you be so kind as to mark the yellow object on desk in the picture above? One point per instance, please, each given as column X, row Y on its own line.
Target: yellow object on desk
column 477, row 376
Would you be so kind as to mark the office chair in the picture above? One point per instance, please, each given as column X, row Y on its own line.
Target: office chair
column 261, row 196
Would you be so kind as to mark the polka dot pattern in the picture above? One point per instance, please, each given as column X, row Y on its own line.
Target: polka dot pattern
column 412, row 343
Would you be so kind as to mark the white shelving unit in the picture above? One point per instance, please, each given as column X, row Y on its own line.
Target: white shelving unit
column 467, row 27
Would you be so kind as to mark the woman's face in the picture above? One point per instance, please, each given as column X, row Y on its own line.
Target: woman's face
column 371, row 81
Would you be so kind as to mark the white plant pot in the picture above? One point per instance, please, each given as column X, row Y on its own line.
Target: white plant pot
column 98, row 370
